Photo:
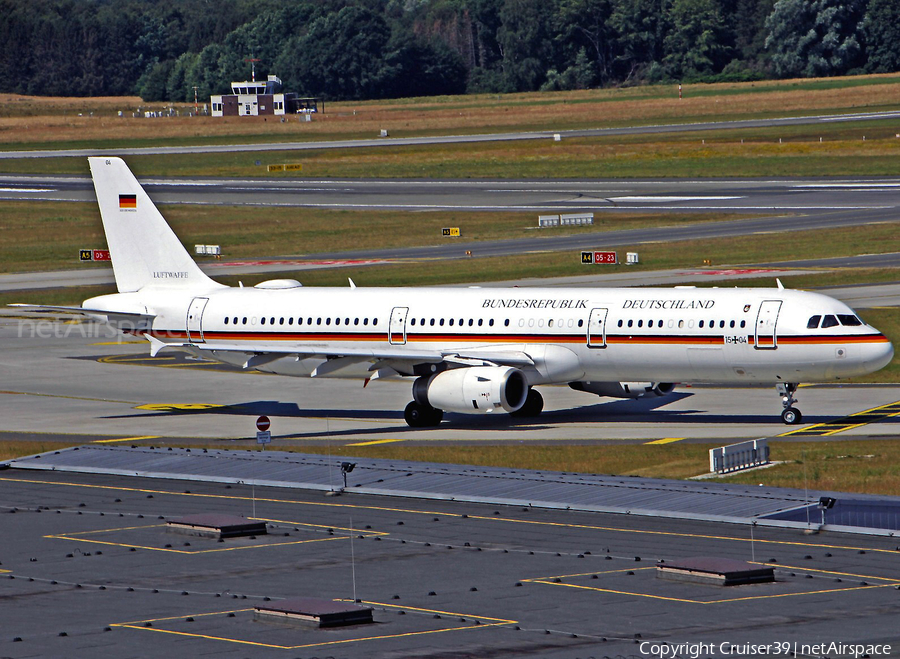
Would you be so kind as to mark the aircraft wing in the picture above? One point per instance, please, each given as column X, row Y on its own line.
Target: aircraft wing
column 396, row 356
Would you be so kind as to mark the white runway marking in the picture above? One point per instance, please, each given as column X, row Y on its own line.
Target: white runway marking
column 666, row 200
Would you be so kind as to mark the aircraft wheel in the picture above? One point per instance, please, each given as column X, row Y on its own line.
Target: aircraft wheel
column 791, row 416
column 422, row 416
column 533, row 406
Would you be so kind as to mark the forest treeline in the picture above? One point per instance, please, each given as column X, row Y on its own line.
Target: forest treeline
column 162, row 49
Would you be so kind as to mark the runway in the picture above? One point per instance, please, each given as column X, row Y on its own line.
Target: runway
column 754, row 195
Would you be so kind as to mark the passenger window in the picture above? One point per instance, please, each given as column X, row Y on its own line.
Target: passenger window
column 849, row 320
column 337, row 321
column 451, row 322
column 309, row 321
column 432, row 322
column 630, row 323
column 620, row 323
column 722, row 324
column 659, row 324
column 480, row 321
column 471, row 322
column 441, row 322
column 829, row 321
column 580, row 323
column 506, row 323
column 374, row 322
column 365, row 321
column 346, row 321
column 640, row 323
column 743, row 323
column 813, row 322
column 281, row 321
column 235, row 320
column 245, row 320
column 680, row 324
column 226, row 320
column 318, row 321
column 328, row 321
column 550, row 323
column 412, row 321
column 291, row 320
column 732, row 324
column 272, row 320
column 700, row 324
column 491, row 322
column 356, row 321
column 262, row 321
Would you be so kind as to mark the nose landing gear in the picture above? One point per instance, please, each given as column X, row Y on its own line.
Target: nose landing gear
column 790, row 415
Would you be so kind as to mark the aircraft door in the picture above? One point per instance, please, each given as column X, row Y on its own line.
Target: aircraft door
column 195, row 318
column 397, row 329
column 596, row 331
column 766, row 321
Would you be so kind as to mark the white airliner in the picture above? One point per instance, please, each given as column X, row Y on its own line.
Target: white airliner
column 475, row 350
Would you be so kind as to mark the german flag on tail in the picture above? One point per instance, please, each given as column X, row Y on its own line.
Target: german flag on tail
column 127, row 201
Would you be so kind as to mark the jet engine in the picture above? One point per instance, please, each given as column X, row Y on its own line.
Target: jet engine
column 625, row 389
column 473, row 390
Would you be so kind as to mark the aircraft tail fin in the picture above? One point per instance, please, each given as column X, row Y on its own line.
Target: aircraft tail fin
column 143, row 248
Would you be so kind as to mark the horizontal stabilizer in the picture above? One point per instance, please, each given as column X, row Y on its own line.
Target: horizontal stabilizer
column 132, row 319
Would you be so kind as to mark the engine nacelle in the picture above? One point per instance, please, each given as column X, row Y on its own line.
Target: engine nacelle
column 625, row 389
column 473, row 390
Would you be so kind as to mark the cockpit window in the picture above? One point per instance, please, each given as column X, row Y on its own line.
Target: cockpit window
column 829, row 321
column 813, row 322
column 849, row 320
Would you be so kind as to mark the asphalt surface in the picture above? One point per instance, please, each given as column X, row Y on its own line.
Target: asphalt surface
column 461, row 139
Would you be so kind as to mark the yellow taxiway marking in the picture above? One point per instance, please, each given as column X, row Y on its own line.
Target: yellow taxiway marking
column 179, row 407
column 664, row 440
column 347, row 506
column 855, row 420
column 485, row 621
column 124, row 439
column 377, row 441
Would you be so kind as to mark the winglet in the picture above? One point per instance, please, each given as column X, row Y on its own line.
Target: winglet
column 780, row 285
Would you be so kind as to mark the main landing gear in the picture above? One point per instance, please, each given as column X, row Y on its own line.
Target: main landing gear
column 533, row 406
column 422, row 416
column 791, row 415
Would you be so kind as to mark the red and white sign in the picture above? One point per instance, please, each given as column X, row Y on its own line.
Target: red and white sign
column 102, row 255
column 263, row 423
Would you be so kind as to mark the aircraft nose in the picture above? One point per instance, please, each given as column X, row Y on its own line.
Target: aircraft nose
column 880, row 354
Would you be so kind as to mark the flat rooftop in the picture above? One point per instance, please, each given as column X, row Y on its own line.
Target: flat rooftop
column 88, row 569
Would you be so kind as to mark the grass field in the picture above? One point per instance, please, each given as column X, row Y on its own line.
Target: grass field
column 246, row 231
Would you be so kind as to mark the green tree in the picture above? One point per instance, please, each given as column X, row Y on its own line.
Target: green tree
column 881, row 27
column 341, row 56
column 640, row 28
column 524, row 38
column 697, row 44
column 815, row 37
